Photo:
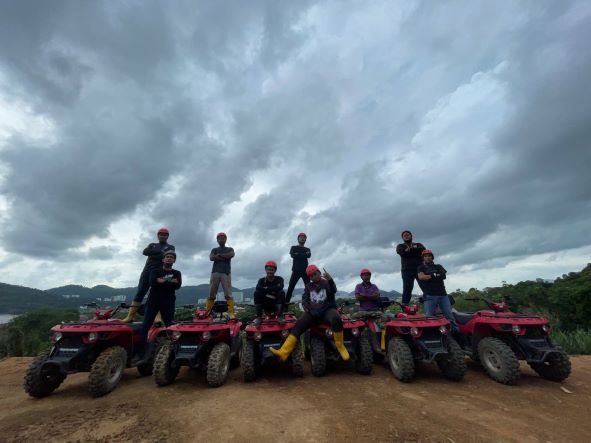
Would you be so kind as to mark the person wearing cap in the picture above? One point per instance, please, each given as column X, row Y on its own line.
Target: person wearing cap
column 319, row 307
column 368, row 296
column 410, row 258
column 164, row 281
column 221, row 273
column 432, row 277
column 269, row 294
column 154, row 261
column 300, row 255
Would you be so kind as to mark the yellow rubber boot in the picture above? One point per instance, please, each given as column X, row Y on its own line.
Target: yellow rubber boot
column 231, row 308
column 158, row 318
column 383, row 341
column 131, row 314
column 286, row 349
column 340, row 344
column 209, row 304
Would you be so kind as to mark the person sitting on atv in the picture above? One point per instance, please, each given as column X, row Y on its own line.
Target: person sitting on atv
column 368, row 296
column 269, row 294
column 163, row 284
column 319, row 307
column 434, row 294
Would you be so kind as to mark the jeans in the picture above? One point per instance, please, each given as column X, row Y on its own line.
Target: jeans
column 293, row 281
column 431, row 303
column 166, row 308
column 330, row 316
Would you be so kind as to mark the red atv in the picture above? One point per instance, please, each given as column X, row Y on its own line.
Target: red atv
column 210, row 342
column 409, row 336
column 499, row 338
column 258, row 340
column 103, row 346
column 321, row 348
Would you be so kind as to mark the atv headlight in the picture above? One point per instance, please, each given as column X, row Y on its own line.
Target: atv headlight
column 414, row 332
column 285, row 333
column 516, row 329
column 206, row 335
column 328, row 332
column 176, row 335
column 92, row 337
column 57, row 336
column 443, row 329
column 546, row 328
column 355, row 332
column 258, row 335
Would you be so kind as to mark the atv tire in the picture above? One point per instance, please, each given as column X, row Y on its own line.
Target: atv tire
column 557, row 367
column 147, row 368
column 247, row 362
column 218, row 365
column 364, row 357
column 40, row 384
column 453, row 365
column 401, row 360
column 164, row 373
column 499, row 360
column 317, row 356
column 107, row 370
column 297, row 361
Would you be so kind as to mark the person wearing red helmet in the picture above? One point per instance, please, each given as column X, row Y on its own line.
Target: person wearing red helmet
column 269, row 294
column 300, row 255
column 368, row 296
column 410, row 259
column 154, row 252
column 434, row 294
column 221, row 273
column 319, row 307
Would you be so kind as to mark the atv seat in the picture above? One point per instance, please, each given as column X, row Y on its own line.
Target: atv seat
column 463, row 317
column 220, row 306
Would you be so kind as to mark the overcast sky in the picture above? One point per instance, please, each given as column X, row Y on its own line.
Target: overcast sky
column 467, row 122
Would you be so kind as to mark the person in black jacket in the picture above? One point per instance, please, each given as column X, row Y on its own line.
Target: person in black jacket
column 164, row 281
column 432, row 276
column 269, row 295
column 319, row 307
column 154, row 261
column 410, row 259
column 300, row 255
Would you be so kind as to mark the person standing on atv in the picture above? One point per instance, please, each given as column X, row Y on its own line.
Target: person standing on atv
column 431, row 276
column 410, row 259
column 221, row 273
column 368, row 296
column 319, row 307
column 154, row 253
column 300, row 255
column 269, row 294
column 164, row 281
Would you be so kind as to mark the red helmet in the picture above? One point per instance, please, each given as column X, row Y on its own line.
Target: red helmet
column 163, row 231
column 364, row 271
column 310, row 270
column 271, row 264
column 302, row 234
column 221, row 234
column 427, row 252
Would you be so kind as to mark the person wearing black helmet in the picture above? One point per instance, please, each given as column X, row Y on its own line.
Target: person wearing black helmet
column 164, row 281
column 300, row 255
column 154, row 261
column 410, row 259
column 269, row 294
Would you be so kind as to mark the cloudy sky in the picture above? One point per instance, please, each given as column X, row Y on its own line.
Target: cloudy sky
column 467, row 122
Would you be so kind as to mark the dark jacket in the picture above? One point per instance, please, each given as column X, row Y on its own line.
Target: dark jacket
column 300, row 255
column 155, row 251
column 318, row 297
column 166, row 289
column 410, row 260
column 435, row 285
column 269, row 292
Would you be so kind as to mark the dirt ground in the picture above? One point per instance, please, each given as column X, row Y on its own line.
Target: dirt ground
column 342, row 406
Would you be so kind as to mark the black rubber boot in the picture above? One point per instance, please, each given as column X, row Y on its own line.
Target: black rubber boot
column 279, row 309
column 259, row 314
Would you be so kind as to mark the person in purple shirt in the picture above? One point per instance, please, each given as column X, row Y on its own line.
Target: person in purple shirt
column 368, row 296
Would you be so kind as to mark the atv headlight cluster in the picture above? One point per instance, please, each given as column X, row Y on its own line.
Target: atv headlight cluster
column 328, row 332
column 414, row 331
column 546, row 328
column 258, row 335
column 57, row 336
column 355, row 332
column 206, row 335
column 285, row 333
column 176, row 335
column 92, row 337
column 516, row 329
column 443, row 329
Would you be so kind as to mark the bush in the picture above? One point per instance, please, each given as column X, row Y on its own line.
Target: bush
column 573, row 342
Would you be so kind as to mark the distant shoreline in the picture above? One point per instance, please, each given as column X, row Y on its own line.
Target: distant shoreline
column 5, row 318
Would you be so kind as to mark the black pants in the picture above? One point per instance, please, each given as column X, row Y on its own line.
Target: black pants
column 408, row 283
column 166, row 308
column 330, row 316
column 267, row 304
column 143, row 286
column 293, row 281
